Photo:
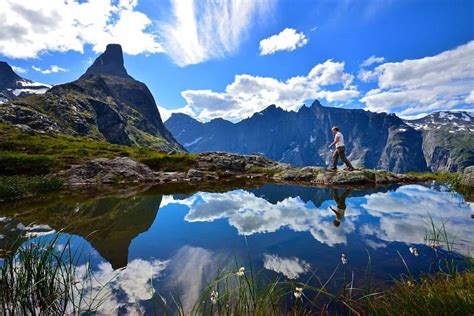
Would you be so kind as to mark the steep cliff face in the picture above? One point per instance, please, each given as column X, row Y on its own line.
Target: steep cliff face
column 448, row 140
column 13, row 86
column 105, row 103
column 374, row 140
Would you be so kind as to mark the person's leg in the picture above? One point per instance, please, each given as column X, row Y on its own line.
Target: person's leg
column 342, row 154
column 335, row 156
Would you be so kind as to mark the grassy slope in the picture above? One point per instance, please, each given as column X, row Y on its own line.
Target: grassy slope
column 27, row 154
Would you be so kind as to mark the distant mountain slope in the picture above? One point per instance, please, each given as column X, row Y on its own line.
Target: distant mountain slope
column 374, row 140
column 448, row 139
column 105, row 103
column 13, row 86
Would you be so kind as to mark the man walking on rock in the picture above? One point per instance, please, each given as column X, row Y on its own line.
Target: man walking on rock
column 340, row 150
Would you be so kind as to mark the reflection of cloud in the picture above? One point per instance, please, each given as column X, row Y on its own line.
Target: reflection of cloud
column 289, row 267
column 122, row 288
column 374, row 244
column 251, row 215
column 404, row 215
column 169, row 199
column 188, row 271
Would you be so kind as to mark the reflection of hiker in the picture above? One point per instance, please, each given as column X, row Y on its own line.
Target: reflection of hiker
column 340, row 150
column 340, row 205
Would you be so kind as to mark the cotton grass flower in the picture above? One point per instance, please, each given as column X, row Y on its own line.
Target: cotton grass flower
column 344, row 259
column 214, row 297
column 298, row 292
column 414, row 251
column 241, row 272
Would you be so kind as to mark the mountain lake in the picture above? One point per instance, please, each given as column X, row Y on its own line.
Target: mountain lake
column 153, row 243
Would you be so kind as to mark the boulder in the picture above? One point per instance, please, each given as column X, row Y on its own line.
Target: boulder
column 107, row 171
column 467, row 178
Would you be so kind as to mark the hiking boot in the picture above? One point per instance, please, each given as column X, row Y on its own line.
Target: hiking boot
column 349, row 168
column 332, row 169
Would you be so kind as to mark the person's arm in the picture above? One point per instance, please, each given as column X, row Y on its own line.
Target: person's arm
column 336, row 140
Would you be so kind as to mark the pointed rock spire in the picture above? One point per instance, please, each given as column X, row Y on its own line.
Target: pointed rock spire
column 110, row 63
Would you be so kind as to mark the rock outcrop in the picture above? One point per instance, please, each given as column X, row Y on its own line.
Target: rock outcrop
column 222, row 166
column 104, row 104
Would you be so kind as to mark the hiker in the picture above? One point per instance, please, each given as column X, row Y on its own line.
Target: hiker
column 340, row 209
column 340, row 150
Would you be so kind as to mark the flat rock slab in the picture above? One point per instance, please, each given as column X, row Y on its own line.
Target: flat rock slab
column 323, row 176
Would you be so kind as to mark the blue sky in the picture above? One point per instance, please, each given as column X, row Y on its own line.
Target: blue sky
column 207, row 58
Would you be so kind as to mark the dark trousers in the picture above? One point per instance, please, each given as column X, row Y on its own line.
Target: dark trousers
column 340, row 152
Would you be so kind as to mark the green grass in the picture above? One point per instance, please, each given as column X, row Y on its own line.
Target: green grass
column 35, row 153
column 438, row 295
column 15, row 187
column 24, row 156
column 173, row 162
column 41, row 279
column 13, row 163
column 447, row 177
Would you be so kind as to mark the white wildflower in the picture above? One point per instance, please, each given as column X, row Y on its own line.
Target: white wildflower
column 241, row 272
column 214, row 297
column 298, row 292
column 344, row 259
column 414, row 251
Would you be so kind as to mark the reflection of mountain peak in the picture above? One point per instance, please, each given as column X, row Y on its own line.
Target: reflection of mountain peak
column 108, row 223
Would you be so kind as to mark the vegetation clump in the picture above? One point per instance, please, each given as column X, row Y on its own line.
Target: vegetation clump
column 15, row 187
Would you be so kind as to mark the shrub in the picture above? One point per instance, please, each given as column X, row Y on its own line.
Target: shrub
column 173, row 162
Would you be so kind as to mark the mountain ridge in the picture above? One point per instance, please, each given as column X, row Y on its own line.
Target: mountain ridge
column 301, row 137
column 431, row 150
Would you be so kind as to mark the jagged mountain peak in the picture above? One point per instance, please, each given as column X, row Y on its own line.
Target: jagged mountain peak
column 7, row 75
column 110, row 62
column 13, row 86
column 454, row 121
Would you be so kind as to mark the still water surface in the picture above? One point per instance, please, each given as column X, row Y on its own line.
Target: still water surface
column 175, row 243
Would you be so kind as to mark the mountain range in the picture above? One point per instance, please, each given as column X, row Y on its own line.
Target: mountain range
column 105, row 103
column 373, row 140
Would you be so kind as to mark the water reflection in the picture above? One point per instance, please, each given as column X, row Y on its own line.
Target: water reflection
column 108, row 223
column 340, row 209
column 285, row 230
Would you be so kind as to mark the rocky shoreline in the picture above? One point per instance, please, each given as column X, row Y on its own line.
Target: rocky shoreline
column 214, row 166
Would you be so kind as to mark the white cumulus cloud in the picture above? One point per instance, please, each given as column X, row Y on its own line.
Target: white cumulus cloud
column 248, row 94
column 19, row 70
column 50, row 70
column 470, row 98
column 198, row 31
column 287, row 40
column 29, row 28
column 372, row 60
column 415, row 86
